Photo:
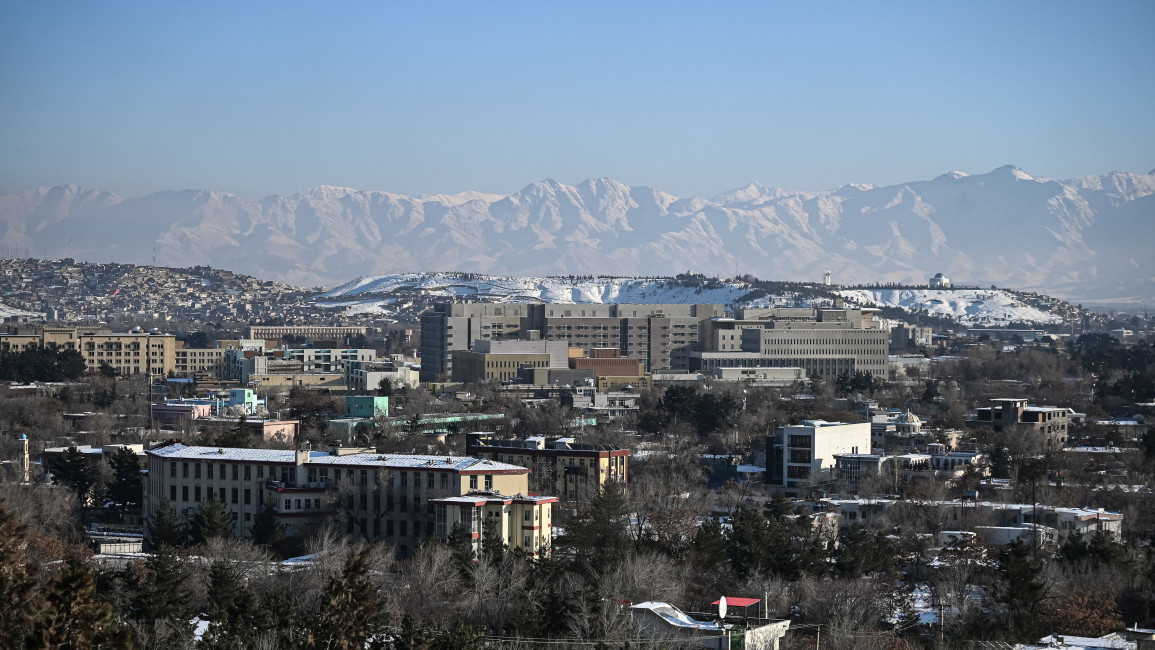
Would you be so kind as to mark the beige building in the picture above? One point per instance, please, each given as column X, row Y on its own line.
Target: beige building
column 400, row 499
column 571, row 469
column 475, row 367
column 130, row 353
column 823, row 342
column 189, row 361
column 315, row 332
column 1049, row 423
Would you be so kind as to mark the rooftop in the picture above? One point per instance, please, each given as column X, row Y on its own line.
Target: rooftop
column 287, row 456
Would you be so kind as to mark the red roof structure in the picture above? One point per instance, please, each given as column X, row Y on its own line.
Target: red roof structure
column 734, row 601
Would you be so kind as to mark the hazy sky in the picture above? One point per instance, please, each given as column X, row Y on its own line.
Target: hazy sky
column 694, row 98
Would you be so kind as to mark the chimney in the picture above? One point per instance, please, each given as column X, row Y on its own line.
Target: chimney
column 26, row 466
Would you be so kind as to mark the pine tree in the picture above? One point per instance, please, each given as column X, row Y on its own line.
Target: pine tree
column 265, row 529
column 74, row 470
column 462, row 547
column 164, row 528
column 163, row 596
column 20, row 592
column 1023, row 589
column 352, row 610
column 232, row 609
column 598, row 532
column 210, row 520
column 75, row 618
column 492, row 546
column 126, row 488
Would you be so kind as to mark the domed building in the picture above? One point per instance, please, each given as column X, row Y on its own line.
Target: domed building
column 907, row 424
column 939, row 281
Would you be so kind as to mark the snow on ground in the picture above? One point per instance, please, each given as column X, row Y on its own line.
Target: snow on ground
column 6, row 311
column 573, row 290
column 968, row 306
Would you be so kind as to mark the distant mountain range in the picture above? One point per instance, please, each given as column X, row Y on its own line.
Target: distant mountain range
column 1082, row 239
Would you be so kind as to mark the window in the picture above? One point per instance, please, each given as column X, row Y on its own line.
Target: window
column 260, row 471
column 404, row 479
column 248, row 516
column 248, row 472
column 172, row 491
column 184, row 493
column 308, row 504
column 525, row 515
column 197, row 470
column 236, row 493
column 404, row 528
column 364, row 501
column 209, row 492
column 489, row 481
column 248, row 496
column 172, row 469
column 298, row 505
column 197, row 494
column 473, row 482
column 288, row 504
column 429, row 480
column 444, row 480
column 236, row 469
column 316, row 504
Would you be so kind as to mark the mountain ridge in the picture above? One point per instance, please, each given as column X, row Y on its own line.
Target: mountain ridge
column 1076, row 238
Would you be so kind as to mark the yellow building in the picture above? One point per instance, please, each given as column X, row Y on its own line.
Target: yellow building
column 190, row 361
column 399, row 499
column 475, row 367
column 130, row 353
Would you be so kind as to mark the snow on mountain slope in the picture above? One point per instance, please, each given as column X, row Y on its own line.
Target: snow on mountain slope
column 1005, row 227
column 576, row 290
column 989, row 307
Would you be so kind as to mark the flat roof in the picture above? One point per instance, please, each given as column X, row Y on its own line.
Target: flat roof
column 288, row 456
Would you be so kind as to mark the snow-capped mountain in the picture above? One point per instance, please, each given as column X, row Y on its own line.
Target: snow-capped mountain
column 1085, row 239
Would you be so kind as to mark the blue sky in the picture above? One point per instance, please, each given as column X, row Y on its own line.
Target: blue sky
column 693, row 98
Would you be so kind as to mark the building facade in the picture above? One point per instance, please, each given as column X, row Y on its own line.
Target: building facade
column 803, row 455
column 400, row 499
column 129, row 353
column 1049, row 424
column 572, row 470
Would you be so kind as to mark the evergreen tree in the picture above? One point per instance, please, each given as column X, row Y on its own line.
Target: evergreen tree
column 232, row 609
column 412, row 636
column 163, row 595
column 749, row 543
column 598, row 532
column 75, row 471
column 210, row 520
column 861, row 552
column 20, row 592
column 266, row 531
column 492, row 546
column 352, row 610
column 462, row 547
column 1023, row 589
column 708, row 550
column 75, row 618
column 126, row 488
column 164, row 528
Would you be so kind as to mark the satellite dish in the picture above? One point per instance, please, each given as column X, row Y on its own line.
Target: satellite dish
column 722, row 607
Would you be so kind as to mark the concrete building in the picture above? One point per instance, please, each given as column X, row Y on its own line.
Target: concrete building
column 189, row 361
column 660, row 336
column 1048, row 423
column 129, row 353
column 571, row 469
column 365, row 376
column 939, row 281
column 313, row 332
column 400, row 499
column 823, row 342
column 904, row 337
column 803, row 455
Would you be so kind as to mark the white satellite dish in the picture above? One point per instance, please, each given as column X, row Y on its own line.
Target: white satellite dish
column 722, row 607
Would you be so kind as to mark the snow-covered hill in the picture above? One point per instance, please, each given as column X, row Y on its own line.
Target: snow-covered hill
column 401, row 293
column 985, row 307
column 1085, row 238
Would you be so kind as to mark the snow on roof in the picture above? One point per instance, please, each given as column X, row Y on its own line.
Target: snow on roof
column 1108, row 642
column 677, row 617
column 455, row 463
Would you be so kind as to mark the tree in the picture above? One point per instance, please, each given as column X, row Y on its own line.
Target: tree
column 232, row 608
column 597, row 532
column 107, row 369
column 20, row 591
column 1022, row 589
column 75, row 618
column 162, row 596
column 492, row 545
column 266, row 531
column 461, row 546
column 1089, row 614
column 75, row 471
column 352, row 611
column 210, row 520
column 385, row 387
column 126, row 487
column 164, row 528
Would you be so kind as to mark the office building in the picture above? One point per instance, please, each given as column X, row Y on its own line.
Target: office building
column 803, row 455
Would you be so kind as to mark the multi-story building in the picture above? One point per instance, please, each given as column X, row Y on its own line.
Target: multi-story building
column 802, row 455
column 1048, row 423
column 571, row 469
column 315, row 332
column 287, row 367
column 400, row 499
column 660, row 336
column 189, row 361
column 823, row 342
column 129, row 353
column 364, row 376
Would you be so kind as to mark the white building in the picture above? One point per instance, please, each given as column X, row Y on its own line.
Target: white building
column 939, row 281
column 803, row 454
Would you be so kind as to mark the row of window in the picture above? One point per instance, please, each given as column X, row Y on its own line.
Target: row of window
column 210, row 494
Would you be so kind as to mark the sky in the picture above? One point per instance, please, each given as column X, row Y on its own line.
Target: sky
column 262, row 98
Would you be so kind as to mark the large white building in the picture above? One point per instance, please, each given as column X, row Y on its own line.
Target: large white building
column 400, row 499
column 802, row 455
